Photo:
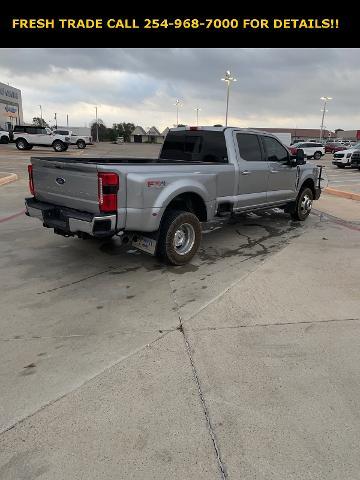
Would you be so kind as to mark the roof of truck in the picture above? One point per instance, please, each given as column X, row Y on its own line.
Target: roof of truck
column 218, row 129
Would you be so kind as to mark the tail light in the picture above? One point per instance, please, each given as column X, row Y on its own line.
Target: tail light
column 31, row 180
column 108, row 186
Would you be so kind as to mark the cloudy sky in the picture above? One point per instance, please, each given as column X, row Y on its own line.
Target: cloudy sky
column 274, row 88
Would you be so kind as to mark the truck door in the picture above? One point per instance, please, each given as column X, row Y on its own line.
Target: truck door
column 282, row 177
column 253, row 171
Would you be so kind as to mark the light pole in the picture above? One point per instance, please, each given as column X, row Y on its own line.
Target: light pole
column 41, row 114
column 325, row 100
column 97, row 126
column 55, row 118
column 197, row 110
column 177, row 104
column 228, row 79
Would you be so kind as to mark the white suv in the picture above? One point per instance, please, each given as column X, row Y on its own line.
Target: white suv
column 4, row 136
column 28, row 136
column 311, row 149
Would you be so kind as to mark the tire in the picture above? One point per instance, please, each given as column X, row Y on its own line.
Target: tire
column 179, row 237
column 303, row 204
column 29, row 147
column 317, row 155
column 341, row 166
column 21, row 144
column 81, row 144
column 58, row 146
column 65, row 148
column 4, row 139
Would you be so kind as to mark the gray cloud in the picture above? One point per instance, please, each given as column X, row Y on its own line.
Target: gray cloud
column 280, row 87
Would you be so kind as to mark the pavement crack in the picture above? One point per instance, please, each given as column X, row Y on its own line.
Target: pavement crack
column 276, row 324
column 196, row 377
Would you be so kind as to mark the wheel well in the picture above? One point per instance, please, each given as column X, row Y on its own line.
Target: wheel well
column 57, row 140
column 80, row 140
column 189, row 202
column 309, row 183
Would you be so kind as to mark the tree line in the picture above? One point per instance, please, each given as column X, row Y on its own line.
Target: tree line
column 106, row 134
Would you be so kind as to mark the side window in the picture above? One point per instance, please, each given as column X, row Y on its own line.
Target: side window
column 275, row 151
column 31, row 130
column 249, row 147
column 41, row 131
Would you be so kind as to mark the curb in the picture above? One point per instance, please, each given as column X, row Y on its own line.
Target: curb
column 8, row 179
column 342, row 193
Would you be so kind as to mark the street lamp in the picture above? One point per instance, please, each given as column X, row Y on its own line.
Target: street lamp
column 228, row 79
column 177, row 104
column 41, row 114
column 197, row 110
column 325, row 100
column 55, row 118
column 97, row 125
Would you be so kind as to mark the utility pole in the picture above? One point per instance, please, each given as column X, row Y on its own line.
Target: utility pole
column 97, row 125
column 177, row 104
column 228, row 79
column 197, row 116
column 325, row 100
column 41, row 114
column 55, row 118
column 67, row 120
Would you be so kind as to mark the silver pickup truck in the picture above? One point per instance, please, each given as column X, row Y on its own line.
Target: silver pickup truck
column 161, row 205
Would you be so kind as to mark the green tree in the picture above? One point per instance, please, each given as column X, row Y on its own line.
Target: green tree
column 39, row 122
column 124, row 129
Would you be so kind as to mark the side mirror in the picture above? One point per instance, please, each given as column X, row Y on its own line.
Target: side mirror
column 298, row 159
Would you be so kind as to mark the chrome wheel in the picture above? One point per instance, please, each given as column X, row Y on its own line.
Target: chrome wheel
column 184, row 239
column 21, row 145
column 306, row 204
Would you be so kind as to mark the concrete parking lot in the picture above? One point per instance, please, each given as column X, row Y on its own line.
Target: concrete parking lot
column 241, row 365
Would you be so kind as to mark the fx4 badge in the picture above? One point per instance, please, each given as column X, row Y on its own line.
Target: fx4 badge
column 155, row 183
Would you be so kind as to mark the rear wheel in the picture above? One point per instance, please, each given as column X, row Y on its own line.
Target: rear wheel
column 303, row 204
column 317, row 155
column 81, row 144
column 4, row 139
column 21, row 144
column 58, row 146
column 179, row 237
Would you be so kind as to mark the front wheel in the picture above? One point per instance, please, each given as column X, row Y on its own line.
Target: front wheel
column 179, row 237
column 4, row 139
column 317, row 155
column 341, row 166
column 303, row 205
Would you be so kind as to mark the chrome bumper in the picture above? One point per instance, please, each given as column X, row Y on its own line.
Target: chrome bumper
column 70, row 221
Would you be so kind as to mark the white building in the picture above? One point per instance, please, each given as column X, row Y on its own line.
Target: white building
column 152, row 135
column 11, row 112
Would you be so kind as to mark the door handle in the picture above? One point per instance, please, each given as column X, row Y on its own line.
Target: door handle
column 245, row 172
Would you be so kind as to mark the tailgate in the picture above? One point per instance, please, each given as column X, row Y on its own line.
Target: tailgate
column 69, row 184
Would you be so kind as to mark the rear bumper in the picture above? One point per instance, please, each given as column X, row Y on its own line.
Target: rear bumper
column 68, row 221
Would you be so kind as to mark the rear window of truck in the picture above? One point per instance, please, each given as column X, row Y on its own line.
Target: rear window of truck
column 195, row 146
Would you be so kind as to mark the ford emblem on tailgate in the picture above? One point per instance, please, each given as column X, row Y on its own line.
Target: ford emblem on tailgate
column 60, row 180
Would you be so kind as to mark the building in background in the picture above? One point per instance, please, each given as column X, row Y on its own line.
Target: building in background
column 348, row 135
column 140, row 135
column 11, row 112
column 302, row 134
column 77, row 130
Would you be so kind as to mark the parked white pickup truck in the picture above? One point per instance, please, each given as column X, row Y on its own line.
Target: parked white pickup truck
column 79, row 140
column 4, row 136
column 28, row 136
